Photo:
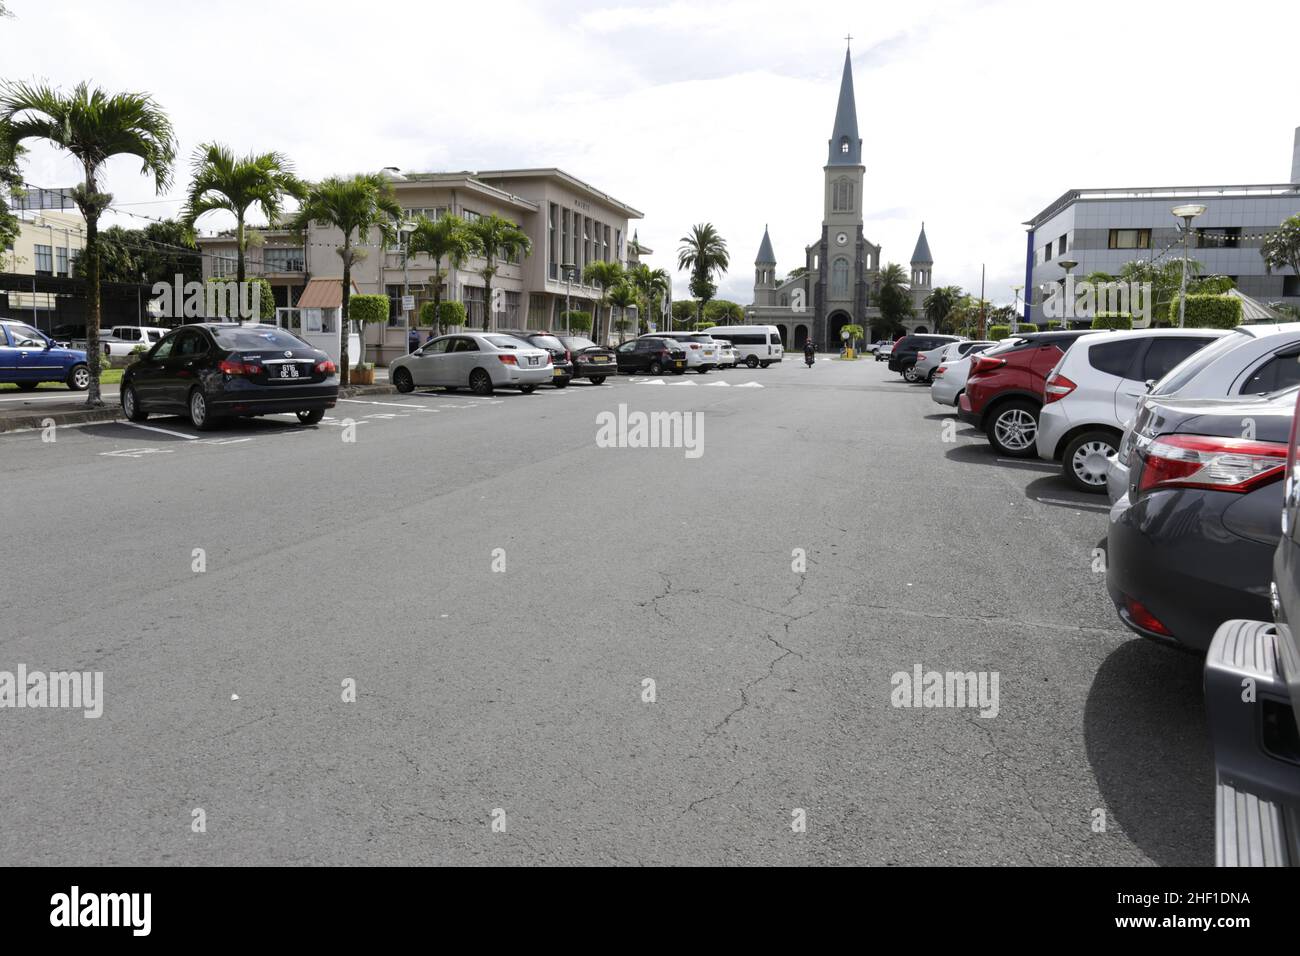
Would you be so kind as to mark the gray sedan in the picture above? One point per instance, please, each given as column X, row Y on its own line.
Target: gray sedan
column 479, row 361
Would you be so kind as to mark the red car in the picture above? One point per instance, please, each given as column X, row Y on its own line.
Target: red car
column 1004, row 392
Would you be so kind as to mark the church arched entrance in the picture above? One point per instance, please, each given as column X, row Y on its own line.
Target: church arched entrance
column 921, row 330
column 834, row 323
column 800, row 337
column 784, row 332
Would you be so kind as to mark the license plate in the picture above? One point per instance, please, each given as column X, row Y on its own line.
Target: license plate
column 533, row 360
column 559, row 373
column 707, row 353
column 601, row 358
column 289, row 371
column 678, row 364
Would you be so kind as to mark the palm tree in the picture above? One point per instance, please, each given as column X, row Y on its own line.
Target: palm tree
column 223, row 181
column 354, row 206
column 604, row 276
column 652, row 284
column 93, row 126
column 446, row 238
column 623, row 296
column 939, row 303
column 704, row 253
column 493, row 237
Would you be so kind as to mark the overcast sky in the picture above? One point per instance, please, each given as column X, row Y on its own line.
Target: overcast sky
column 974, row 115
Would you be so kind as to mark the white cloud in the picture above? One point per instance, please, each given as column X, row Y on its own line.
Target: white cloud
column 973, row 115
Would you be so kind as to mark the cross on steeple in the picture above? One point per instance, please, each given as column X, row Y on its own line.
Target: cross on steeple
column 848, row 39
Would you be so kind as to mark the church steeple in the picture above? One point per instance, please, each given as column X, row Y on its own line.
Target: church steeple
column 766, row 257
column 765, row 272
column 845, row 146
column 922, row 262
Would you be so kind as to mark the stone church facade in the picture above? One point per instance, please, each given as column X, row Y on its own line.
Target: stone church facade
column 839, row 280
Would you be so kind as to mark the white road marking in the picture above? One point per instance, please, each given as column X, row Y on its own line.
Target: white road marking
column 357, row 401
column 653, row 381
column 718, row 385
column 1026, row 462
column 154, row 428
column 749, row 385
column 684, row 382
column 136, row 452
column 1073, row 504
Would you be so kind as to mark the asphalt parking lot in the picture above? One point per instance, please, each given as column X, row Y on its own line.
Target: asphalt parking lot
column 500, row 588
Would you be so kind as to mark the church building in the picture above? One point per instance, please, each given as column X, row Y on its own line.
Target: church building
column 838, row 283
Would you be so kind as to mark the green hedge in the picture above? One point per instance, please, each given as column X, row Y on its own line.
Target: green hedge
column 1112, row 321
column 265, row 297
column 452, row 314
column 577, row 321
column 999, row 332
column 1208, row 312
column 368, row 308
column 1053, row 326
column 428, row 315
column 1026, row 327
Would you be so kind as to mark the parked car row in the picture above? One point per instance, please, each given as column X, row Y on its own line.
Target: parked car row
column 1192, row 435
column 29, row 357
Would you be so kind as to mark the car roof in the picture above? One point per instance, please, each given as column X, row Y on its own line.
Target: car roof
column 1099, row 338
column 1261, row 329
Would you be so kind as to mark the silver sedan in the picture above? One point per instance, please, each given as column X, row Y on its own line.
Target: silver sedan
column 479, row 361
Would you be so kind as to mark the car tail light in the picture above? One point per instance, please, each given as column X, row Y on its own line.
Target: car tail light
column 984, row 364
column 1143, row 618
column 508, row 360
column 326, row 367
column 1207, row 461
column 1056, row 388
column 568, row 356
column 694, row 345
column 236, row 367
column 938, row 373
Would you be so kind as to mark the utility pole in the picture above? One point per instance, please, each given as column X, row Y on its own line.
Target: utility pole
column 983, row 328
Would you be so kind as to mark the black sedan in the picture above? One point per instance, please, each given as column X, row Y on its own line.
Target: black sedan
column 210, row 371
column 590, row 361
column 1191, row 543
column 651, row 355
column 560, row 358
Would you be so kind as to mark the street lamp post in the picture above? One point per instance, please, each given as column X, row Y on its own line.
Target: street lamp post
column 1068, row 265
column 1187, row 213
column 567, row 269
column 404, row 230
column 1015, row 308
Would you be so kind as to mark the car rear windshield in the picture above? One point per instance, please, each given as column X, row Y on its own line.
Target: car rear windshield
column 576, row 342
column 546, row 342
column 508, row 342
column 257, row 337
column 1182, row 373
column 699, row 338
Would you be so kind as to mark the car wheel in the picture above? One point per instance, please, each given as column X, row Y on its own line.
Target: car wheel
column 311, row 417
column 910, row 375
column 752, row 361
column 480, row 382
column 527, row 389
column 402, row 380
column 131, row 405
column 764, row 364
column 79, row 378
column 1013, row 428
column 656, row 368
column 930, row 378
column 199, row 415
column 1084, row 461
column 27, row 386
column 598, row 380
column 702, row 371
column 564, row 384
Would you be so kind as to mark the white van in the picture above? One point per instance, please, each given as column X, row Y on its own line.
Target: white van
column 757, row 345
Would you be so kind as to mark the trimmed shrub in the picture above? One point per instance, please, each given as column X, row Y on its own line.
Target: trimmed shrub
column 369, row 309
column 428, row 316
column 1054, row 326
column 999, row 332
column 1026, row 327
column 1112, row 321
column 577, row 321
column 452, row 314
column 1207, row 311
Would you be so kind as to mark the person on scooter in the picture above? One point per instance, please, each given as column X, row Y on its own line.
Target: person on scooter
column 809, row 353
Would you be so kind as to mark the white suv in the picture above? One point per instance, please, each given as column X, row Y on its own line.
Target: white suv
column 701, row 350
column 1094, row 390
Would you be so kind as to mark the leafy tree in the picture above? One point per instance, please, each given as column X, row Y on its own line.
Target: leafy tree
column 451, row 315
column 683, row 311
column 723, row 312
column 622, row 297
column 265, row 298
column 1165, row 276
column 652, row 285
column 605, row 276
column 11, row 181
column 158, row 252
column 1282, row 247
column 235, row 185
column 704, row 253
column 894, row 297
column 939, row 303
column 444, row 238
column 495, row 237
column 93, row 126
column 577, row 321
column 368, row 310
column 353, row 205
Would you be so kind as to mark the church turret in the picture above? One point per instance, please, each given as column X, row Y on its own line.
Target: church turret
column 845, row 146
column 922, row 262
column 765, row 272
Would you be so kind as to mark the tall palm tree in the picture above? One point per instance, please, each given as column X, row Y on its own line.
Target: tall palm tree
column 444, row 238
column 623, row 296
column 652, row 284
column 704, row 253
column 92, row 126
column 494, row 237
column 354, row 206
column 604, row 276
column 939, row 303
column 224, row 181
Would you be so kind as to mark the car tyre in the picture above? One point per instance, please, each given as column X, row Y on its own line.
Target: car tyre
column 26, row 386
column 200, row 417
column 564, row 384
column 527, row 389
column 910, row 375
column 702, row 371
column 1084, row 461
column 752, row 361
column 79, row 378
column 131, row 405
column 403, row 381
column 480, row 382
column 656, row 368
column 598, row 380
column 1013, row 428
column 311, row 417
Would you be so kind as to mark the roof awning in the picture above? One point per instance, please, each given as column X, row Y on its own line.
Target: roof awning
column 324, row 293
column 1252, row 310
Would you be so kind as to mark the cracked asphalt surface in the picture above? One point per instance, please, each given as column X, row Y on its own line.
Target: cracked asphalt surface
column 522, row 690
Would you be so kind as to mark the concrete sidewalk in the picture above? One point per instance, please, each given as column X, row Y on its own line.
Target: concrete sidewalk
column 17, row 416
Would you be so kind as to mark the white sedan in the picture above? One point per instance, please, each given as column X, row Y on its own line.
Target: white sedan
column 728, row 357
column 479, row 361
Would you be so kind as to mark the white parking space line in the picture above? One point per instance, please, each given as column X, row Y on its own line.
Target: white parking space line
column 1027, row 463
column 154, row 428
column 357, row 401
column 1073, row 504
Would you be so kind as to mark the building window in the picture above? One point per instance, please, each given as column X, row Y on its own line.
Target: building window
column 1060, row 246
column 474, row 304
column 1130, row 239
column 44, row 260
column 469, row 215
column 61, row 261
column 840, row 279
column 842, row 196
column 1224, row 237
column 553, row 270
column 511, row 302
column 844, row 145
column 1291, row 286
column 224, row 265
column 284, row 260
column 1047, row 252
